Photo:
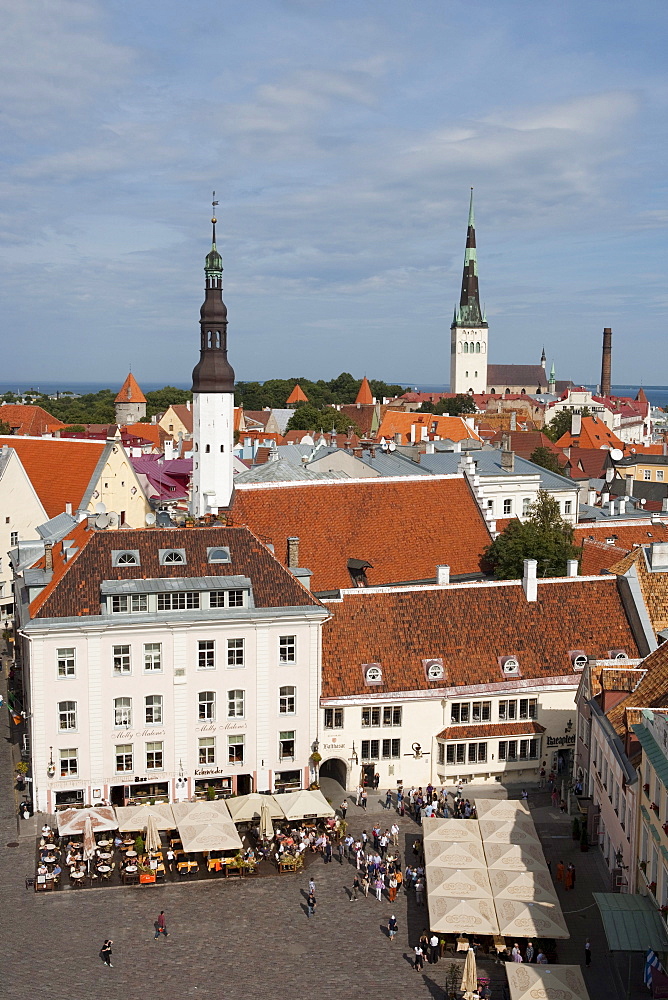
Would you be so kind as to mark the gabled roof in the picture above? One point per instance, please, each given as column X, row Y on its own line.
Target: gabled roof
column 523, row 443
column 526, row 376
column 654, row 586
column 130, row 392
column 586, row 463
column 364, row 396
column 446, row 428
column 296, row 396
column 605, row 544
column 404, row 528
column 650, row 692
column 149, row 432
column 28, row 420
column 185, row 415
column 60, row 469
column 362, row 416
column 75, row 588
column 469, row 627
column 593, row 434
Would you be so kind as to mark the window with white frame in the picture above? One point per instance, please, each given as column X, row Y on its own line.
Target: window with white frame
column 514, row 708
column 392, row 715
column 153, row 709
column 528, row 749
column 154, row 756
column 508, row 750
column 287, row 700
column 568, row 506
column 206, row 654
column 441, row 753
column 207, row 705
column 235, row 652
column 235, row 749
column 333, row 718
column 391, row 749
column 173, row 557
column 647, row 473
column 124, row 757
column 236, row 704
column 207, row 750
column 659, row 475
column 507, row 506
column 67, row 715
column 121, row 660
column 123, row 712
column 526, row 506
column 178, row 601
column 69, row 762
column 287, row 649
column 226, row 599
column 470, row 711
column 477, row 753
column 370, row 749
column 66, row 659
column 126, row 559
column 123, row 603
column 152, row 657
column 371, row 716
column 286, row 745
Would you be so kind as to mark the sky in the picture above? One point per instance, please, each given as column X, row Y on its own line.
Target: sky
column 342, row 139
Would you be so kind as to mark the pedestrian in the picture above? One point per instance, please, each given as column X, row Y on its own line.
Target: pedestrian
column 105, row 952
column 363, row 798
column 328, row 851
column 587, row 953
column 311, row 886
column 529, row 953
column 568, row 877
column 394, row 830
column 573, row 874
column 392, row 926
column 160, row 925
column 358, row 801
column 388, row 799
column 419, row 958
column 379, row 885
column 433, row 949
column 541, row 960
column 419, row 891
column 344, row 808
column 560, row 872
column 541, row 783
column 310, row 904
column 169, row 854
column 356, row 887
column 516, row 954
column 364, row 878
column 555, row 797
column 376, row 781
column 525, row 796
column 392, row 888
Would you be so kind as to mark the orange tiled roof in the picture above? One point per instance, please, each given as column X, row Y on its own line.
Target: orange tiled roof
column 80, row 536
column 491, row 729
column 654, row 586
column 296, row 396
column 593, row 434
column 29, row 420
column 443, row 427
column 598, row 553
column 404, row 528
column 151, row 432
column 130, row 392
column 60, row 469
column 365, row 395
column 651, row 692
column 469, row 626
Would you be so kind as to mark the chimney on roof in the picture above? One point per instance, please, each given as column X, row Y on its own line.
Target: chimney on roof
column 664, row 505
column 605, row 499
column 293, row 552
column 591, row 498
column 513, row 420
column 606, row 362
column 629, row 485
column 429, row 448
column 529, row 583
column 442, row 575
column 507, row 454
column 612, row 508
column 576, row 424
column 68, row 509
column 48, row 557
column 622, row 505
column 571, row 567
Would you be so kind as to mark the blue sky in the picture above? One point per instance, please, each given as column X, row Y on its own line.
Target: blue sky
column 342, row 139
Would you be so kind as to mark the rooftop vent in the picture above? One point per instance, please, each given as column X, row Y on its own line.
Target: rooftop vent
column 579, row 659
column 373, row 673
column 658, row 556
column 510, row 666
column 434, row 669
column 617, row 654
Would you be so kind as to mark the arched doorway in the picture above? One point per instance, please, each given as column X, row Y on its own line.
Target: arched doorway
column 334, row 768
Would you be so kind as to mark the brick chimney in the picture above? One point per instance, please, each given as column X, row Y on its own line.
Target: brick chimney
column 48, row 557
column 606, row 362
column 293, row 552
column 507, row 455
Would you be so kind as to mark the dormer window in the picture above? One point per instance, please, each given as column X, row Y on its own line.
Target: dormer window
column 373, row 673
column 218, row 555
column 617, row 654
column 434, row 669
column 172, row 557
column 510, row 666
column 125, row 557
column 579, row 659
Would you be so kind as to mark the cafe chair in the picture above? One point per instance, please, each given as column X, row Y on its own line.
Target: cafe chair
column 30, row 882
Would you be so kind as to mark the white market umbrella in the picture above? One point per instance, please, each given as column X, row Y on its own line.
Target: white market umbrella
column 89, row 844
column 462, row 831
column 469, row 976
column 266, row 826
column 460, row 883
column 152, row 839
column 530, row 981
column 133, row 819
column 246, row 808
column 469, row 916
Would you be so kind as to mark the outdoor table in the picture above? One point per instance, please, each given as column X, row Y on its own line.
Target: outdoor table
column 187, row 865
column 50, row 847
column 130, row 854
column 77, row 875
column 129, row 869
column 178, row 851
column 105, row 855
column 103, row 843
column 128, row 843
column 174, row 841
column 50, row 859
column 104, row 868
column 214, row 864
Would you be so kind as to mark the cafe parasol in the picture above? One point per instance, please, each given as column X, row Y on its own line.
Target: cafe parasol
column 266, row 826
column 71, row 822
column 133, row 819
column 152, row 838
column 534, row 886
column 522, row 918
column 474, row 916
column 527, row 982
column 469, row 984
column 306, row 804
column 246, row 808
column 206, row 826
column 89, row 844
column 462, row 883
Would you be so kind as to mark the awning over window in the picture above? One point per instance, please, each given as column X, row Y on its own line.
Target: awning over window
column 631, row 922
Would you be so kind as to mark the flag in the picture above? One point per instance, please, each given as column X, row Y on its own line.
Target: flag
column 651, row 962
column 17, row 718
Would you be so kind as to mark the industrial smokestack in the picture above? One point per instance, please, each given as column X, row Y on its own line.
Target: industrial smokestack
column 606, row 363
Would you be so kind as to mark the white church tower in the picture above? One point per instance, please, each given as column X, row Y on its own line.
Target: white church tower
column 469, row 333
column 213, row 398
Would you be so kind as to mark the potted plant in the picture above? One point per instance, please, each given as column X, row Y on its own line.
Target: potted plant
column 139, row 844
column 210, row 792
column 584, row 839
column 316, row 757
column 576, row 828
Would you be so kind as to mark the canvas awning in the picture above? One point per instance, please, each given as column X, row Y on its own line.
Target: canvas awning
column 515, row 857
column 71, row 822
column 520, row 831
column 220, row 835
column 132, row 819
column 469, row 916
column 246, row 808
column 463, row 883
column 454, row 855
column 306, row 804
column 631, row 922
column 530, row 886
column 201, row 812
column 507, row 809
column 527, row 982
column 462, row 831
column 520, row 918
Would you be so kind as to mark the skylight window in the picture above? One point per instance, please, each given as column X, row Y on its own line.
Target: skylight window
column 434, row 669
column 219, row 554
column 510, row 666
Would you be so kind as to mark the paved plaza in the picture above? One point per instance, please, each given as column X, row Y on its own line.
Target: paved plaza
column 251, row 939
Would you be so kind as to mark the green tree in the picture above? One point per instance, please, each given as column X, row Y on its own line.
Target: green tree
column 544, row 536
column 308, row 418
column 561, row 423
column 161, row 399
column 455, row 406
column 4, row 427
column 547, row 459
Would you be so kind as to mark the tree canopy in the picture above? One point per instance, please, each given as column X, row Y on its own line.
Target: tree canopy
column 544, row 536
column 342, row 389
column 459, row 404
column 547, row 459
column 309, row 418
column 561, row 423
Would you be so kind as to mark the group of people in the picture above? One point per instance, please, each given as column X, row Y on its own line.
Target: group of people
column 566, row 875
column 530, row 954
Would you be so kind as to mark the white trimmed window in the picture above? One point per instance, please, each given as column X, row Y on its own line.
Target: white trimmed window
column 121, row 659
column 287, row 700
column 207, row 750
column 69, row 762
column 206, row 654
column 66, row 659
column 286, row 745
column 123, row 603
column 235, row 652
column 123, row 712
column 236, row 704
column 153, row 709
column 226, row 599
column 123, row 757
column 154, row 756
column 287, row 649
column 67, row 715
column 390, row 749
column 176, row 601
column 333, row 718
column 235, row 749
column 207, row 705
column 507, row 507
column 152, row 657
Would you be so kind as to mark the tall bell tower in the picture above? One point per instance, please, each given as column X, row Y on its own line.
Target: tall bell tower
column 469, row 332
column 213, row 396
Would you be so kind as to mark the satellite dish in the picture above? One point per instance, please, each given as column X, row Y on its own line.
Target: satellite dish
column 383, row 445
column 150, row 518
column 392, row 446
column 102, row 520
column 100, row 508
column 616, row 454
column 113, row 519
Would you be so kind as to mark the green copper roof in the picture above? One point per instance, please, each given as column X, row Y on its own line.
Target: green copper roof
column 213, row 265
column 552, row 374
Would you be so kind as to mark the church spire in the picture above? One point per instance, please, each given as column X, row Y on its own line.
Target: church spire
column 213, row 372
column 469, row 312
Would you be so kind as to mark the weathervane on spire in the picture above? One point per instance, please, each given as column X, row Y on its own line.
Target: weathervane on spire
column 214, row 203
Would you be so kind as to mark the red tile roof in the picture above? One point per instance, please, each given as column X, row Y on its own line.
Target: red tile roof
column 28, row 420
column 469, row 626
column 361, row 416
column 444, row 427
column 524, row 443
column 593, row 434
column 491, row 729
column 130, row 392
column 296, row 396
column 150, row 432
column 60, row 469
column 365, row 395
column 598, row 553
column 404, row 528
column 75, row 589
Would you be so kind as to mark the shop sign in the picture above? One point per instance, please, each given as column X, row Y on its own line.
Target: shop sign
column 208, row 771
column 561, row 741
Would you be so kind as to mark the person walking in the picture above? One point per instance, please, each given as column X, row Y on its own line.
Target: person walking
column 379, row 885
column 433, row 949
column 516, row 954
column 311, row 886
column 394, row 830
column 363, row 798
column 358, row 801
column 160, row 925
column 587, row 953
column 569, row 881
column 555, row 797
column 392, row 926
column 328, row 851
column 529, row 953
column 344, row 808
column 392, row 888
column 365, row 884
column 356, row 888
column 376, row 781
column 310, row 904
column 169, row 854
column 419, row 892
column 419, row 958
column 560, row 872
column 341, row 850
column 105, row 952
column 388, row 799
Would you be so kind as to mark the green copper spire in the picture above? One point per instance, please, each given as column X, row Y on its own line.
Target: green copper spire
column 469, row 313
column 553, row 377
column 213, row 265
